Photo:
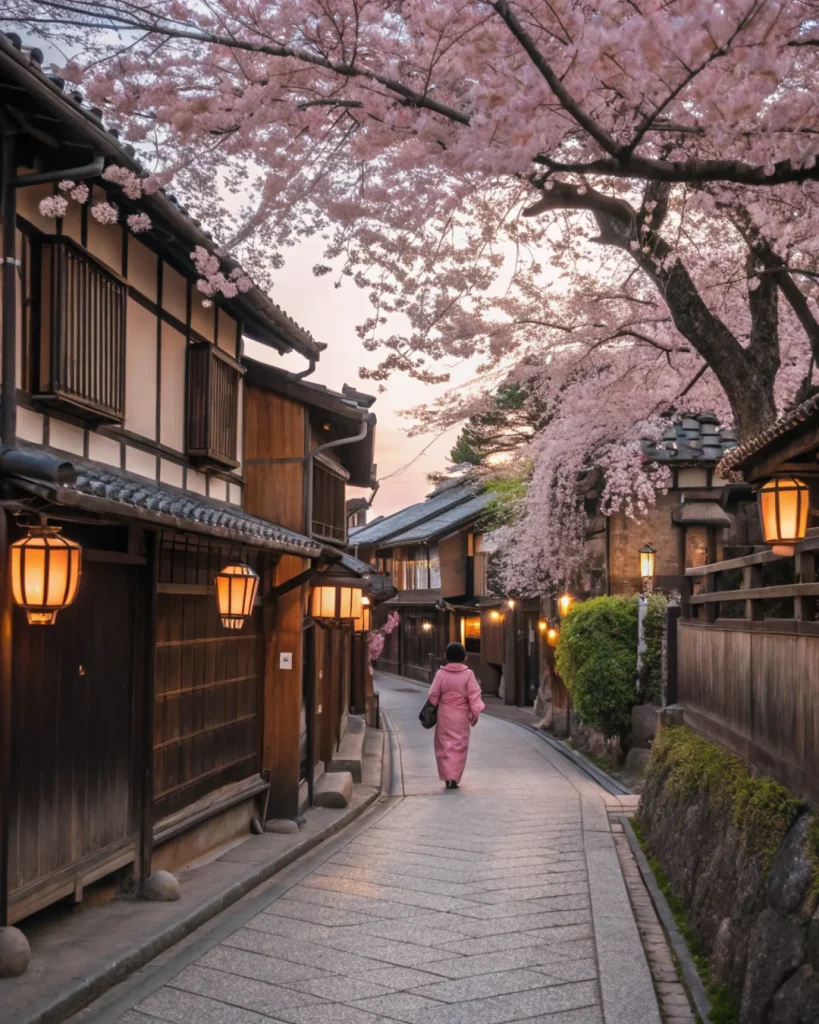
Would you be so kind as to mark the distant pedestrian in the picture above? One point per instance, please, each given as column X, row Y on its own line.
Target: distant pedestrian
column 457, row 695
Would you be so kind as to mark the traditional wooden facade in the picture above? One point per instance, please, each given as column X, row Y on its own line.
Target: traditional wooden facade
column 319, row 441
column 137, row 731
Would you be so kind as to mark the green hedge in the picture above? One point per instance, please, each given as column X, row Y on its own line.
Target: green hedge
column 597, row 657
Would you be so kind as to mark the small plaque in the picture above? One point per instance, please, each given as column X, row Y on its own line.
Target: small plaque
column 285, row 659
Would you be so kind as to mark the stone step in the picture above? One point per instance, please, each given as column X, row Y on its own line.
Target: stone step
column 350, row 753
column 333, row 789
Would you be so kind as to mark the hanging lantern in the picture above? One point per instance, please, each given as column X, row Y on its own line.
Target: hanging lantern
column 565, row 603
column 362, row 623
column 543, row 625
column 495, row 616
column 426, row 626
column 784, row 503
column 552, row 636
column 334, row 603
column 511, row 604
column 236, row 587
column 647, row 558
column 45, row 573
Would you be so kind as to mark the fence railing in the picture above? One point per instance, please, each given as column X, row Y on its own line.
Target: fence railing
column 748, row 661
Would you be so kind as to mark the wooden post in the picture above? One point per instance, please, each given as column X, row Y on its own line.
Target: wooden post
column 145, row 679
column 804, row 608
column 752, row 580
column 6, row 683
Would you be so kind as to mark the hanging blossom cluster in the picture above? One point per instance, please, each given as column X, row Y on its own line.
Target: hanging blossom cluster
column 378, row 636
column 104, row 213
column 213, row 280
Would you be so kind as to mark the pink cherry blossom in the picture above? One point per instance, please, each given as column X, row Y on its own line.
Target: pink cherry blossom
column 139, row 222
column 105, row 213
column 53, row 206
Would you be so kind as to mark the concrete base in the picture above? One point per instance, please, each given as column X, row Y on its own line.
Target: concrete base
column 351, row 749
column 15, row 953
column 160, row 887
column 333, row 789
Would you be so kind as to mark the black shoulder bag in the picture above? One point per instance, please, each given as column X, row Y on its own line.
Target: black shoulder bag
column 429, row 715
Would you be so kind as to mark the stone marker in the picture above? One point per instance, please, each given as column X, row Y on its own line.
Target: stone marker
column 15, row 953
column 160, row 887
column 281, row 825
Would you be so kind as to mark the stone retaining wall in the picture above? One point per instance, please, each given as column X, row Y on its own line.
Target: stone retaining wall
column 759, row 927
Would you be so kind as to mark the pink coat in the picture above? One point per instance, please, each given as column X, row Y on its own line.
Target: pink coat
column 456, row 692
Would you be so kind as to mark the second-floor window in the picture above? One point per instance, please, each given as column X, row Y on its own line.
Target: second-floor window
column 79, row 333
column 213, row 406
column 329, row 513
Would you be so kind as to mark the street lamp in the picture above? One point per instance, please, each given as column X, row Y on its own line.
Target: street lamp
column 236, row 587
column 565, row 603
column 647, row 561
column 426, row 626
column 552, row 636
column 362, row 623
column 784, row 503
column 511, row 604
column 543, row 625
column 45, row 573
column 495, row 616
column 334, row 603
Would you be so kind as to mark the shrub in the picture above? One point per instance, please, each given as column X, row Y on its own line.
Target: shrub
column 597, row 658
column 651, row 676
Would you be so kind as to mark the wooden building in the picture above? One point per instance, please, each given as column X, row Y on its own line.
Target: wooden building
column 748, row 640
column 317, row 441
column 137, row 730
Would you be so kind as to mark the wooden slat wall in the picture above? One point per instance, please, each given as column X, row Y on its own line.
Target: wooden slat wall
column 206, row 687
column 755, row 692
column 274, row 430
column 491, row 639
column 72, row 729
column 452, row 552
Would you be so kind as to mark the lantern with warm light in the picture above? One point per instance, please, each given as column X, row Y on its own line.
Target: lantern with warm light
column 45, row 573
column 647, row 558
column 236, row 587
column 495, row 616
column 552, row 636
column 565, row 603
column 784, row 502
column 511, row 604
column 362, row 622
column 336, row 603
column 426, row 626
column 543, row 625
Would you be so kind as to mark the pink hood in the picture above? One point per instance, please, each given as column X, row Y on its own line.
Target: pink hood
column 455, row 667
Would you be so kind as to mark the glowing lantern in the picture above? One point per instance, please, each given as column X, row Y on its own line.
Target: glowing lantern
column 45, row 573
column 236, row 587
column 552, row 636
column 335, row 603
column 426, row 626
column 362, row 623
column 543, row 625
column 511, row 604
column 495, row 616
column 565, row 603
column 647, row 554
column 784, row 503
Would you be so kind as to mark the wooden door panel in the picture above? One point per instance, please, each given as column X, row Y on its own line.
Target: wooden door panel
column 72, row 744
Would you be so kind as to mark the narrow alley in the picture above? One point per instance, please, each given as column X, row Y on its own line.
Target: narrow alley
column 499, row 902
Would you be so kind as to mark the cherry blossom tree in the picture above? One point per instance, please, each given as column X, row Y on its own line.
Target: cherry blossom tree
column 615, row 201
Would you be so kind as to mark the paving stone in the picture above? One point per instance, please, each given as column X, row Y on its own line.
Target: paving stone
column 240, row 991
column 328, row 1013
column 257, row 965
column 342, row 990
column 496, row 984
column 172, row 1004
column 399, row 979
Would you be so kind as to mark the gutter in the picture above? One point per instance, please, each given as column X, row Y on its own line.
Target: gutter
column 367, row 420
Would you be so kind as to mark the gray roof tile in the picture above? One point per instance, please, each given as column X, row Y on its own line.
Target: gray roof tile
column 382, row 530
column 694, row 438
column 446, row 522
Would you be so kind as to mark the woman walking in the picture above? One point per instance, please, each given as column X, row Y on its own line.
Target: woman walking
column 457, row 695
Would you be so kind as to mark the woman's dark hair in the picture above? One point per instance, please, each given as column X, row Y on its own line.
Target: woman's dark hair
column 455, row 652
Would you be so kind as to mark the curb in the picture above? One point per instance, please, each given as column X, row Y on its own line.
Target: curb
column 611, row 785
column 95, row 985
column 691, row 977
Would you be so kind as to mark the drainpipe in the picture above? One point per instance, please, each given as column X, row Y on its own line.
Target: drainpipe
column 305, row 373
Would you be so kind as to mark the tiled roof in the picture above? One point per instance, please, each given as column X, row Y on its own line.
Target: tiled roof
column 382, row 530
column 446, row 522
column 118, row 493
column 790, row 421
column 379, row 585
column 695, row 438
column 254, row 304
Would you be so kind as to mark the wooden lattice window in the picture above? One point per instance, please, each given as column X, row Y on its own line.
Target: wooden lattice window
column 214, row 382
column 81, row 352
column 329, row 513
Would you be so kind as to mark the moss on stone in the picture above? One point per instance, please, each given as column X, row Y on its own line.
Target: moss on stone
column 812, row 853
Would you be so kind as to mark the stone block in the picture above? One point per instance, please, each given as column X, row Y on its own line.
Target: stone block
column 160, row 887
column 334, row 789
column 282, row 826
column 637, row 760
column 643, row 724
column 15, row 953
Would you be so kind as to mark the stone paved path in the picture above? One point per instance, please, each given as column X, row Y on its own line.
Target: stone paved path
column 502, row 901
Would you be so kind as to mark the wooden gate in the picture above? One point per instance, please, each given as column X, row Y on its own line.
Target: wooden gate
column 72, row 799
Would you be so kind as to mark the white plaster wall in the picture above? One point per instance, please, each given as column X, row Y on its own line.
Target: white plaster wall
column 142, row 272
column 30, row 425
column 692, row 478
column 140, row 462
column 104, row 240
column 172, row 389
column 226, row 327
column 171, row 473
column 66, row 437
column 104, row 449
column 140, row 371
column 174, row 293
column 202, row 317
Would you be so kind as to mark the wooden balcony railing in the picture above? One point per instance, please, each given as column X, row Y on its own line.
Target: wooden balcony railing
column 81, row 351
column 213, row 406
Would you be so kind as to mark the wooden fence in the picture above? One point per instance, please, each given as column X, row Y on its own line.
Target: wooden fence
column 748, row 661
